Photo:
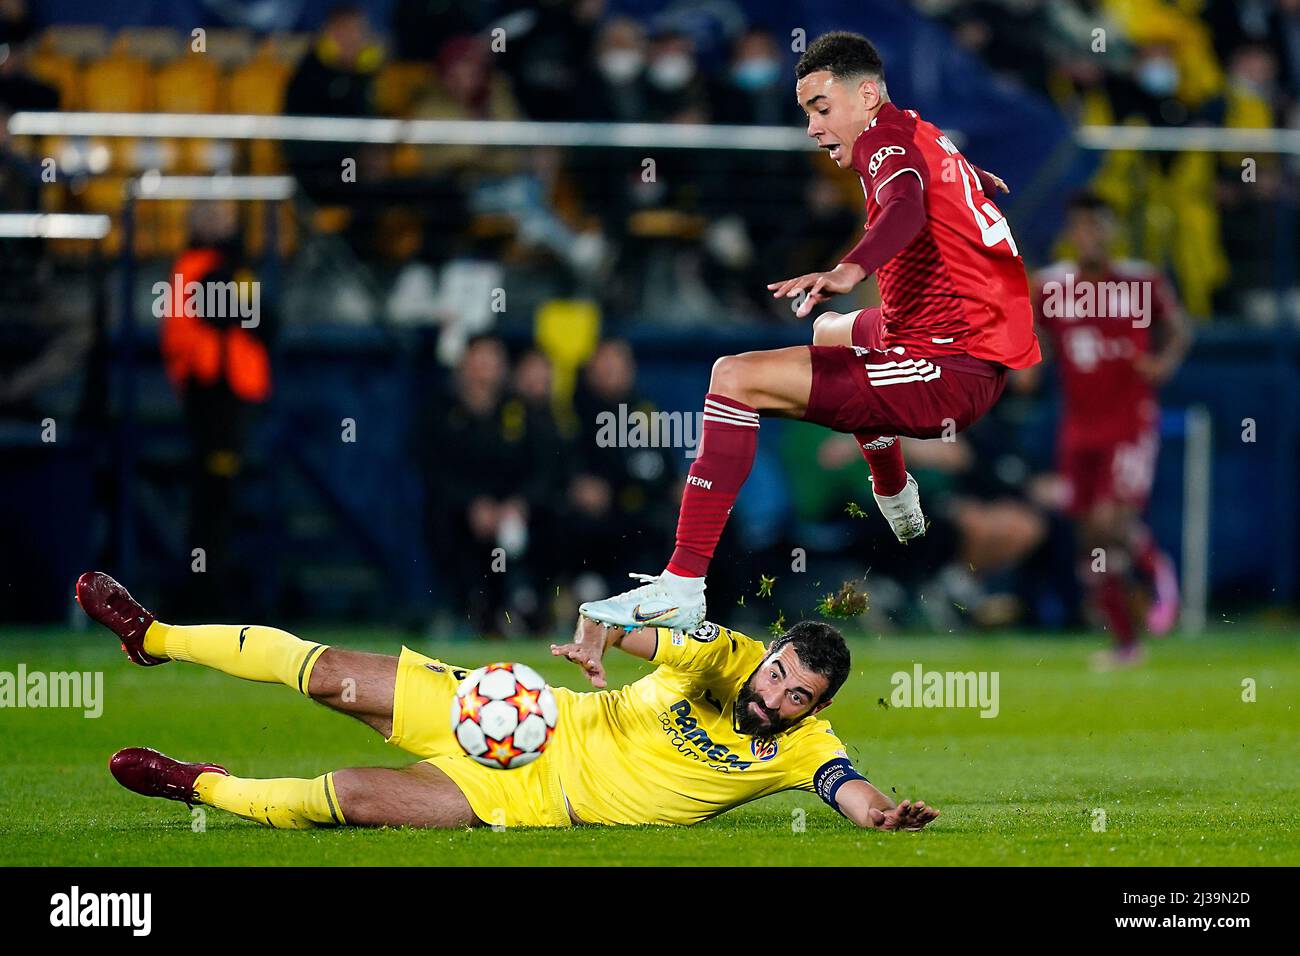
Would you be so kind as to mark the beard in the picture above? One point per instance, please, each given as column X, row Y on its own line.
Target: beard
column 749, row 723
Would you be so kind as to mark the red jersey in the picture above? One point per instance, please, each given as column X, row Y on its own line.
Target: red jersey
column 1098, row 327
column 960, row 285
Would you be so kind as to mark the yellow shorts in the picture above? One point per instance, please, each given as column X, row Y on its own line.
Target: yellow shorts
column 528, row 796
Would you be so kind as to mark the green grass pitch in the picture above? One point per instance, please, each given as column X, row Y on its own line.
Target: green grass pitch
column 1184, row 770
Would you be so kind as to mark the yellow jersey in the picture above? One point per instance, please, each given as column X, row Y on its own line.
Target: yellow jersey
column 665, row 750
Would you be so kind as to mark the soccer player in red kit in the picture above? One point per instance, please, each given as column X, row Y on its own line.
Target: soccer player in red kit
column 955, row 316
column 1116, row 333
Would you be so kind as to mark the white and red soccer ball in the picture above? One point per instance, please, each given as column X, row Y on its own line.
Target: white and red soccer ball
column 503, row 715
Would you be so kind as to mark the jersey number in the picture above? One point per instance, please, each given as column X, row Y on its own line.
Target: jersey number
column 993, row 227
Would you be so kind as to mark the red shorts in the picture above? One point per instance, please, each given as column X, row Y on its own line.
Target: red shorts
column 1120, row 473
column 865, row 388
column 869, row 329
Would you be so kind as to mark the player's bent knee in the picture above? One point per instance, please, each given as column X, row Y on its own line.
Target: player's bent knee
column 828, row 329
column 354, row 682
column 728, row 377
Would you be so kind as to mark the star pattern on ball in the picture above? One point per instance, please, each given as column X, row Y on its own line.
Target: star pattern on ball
column 488, row 711
column 502, row 751
column 526, row 701
column 471, row 704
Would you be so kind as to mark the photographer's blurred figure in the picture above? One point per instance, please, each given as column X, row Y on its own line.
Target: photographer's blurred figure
column 214, row 338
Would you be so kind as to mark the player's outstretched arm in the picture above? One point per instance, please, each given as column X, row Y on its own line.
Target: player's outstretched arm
column 869, row 808
column 591, row 640
column 819, row 286
column 902, row 216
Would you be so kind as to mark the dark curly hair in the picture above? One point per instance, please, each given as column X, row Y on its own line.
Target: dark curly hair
column 821, row 649
column 843, row 54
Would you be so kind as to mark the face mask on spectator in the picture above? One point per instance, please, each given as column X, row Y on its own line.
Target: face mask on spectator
column 756, row 74
column 1252, row 87
column 1158, row 76
column 620, row 66
column 672, row 71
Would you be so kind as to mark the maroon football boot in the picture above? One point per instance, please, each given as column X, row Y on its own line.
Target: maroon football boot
column 151, row 774
column 110, row 604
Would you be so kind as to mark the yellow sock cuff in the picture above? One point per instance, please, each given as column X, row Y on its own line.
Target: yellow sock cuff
column 203, row 788
column 155, row 639
column 308, row 665
column 332, row 800
column 286, row 803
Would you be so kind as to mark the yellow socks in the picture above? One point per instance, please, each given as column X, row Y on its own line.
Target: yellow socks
column 252, row 652
column 269, row 655
column 287, row 803
column 264, row 654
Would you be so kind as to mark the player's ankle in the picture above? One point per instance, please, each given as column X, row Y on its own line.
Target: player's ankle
column 155, row 640
column 682, row 579
column 886, row 489
column 687, row 564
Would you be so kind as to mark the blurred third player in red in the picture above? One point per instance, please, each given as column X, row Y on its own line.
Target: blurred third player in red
column 1116, row 333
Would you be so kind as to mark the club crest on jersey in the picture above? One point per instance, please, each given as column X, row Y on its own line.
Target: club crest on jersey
column 705, row 632
column 764, row 748
column 881, row 155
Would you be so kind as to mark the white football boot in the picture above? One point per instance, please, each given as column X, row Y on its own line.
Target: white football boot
column 903, row 511
column 666, row 600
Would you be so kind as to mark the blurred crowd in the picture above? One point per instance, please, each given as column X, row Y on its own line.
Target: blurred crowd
column 1211, row 220
column 692, row 238
column 695, row 237
column 592, row 218
column 432, row 237
column 539, row 509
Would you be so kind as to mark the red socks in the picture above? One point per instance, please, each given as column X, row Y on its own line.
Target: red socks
column 1146, row 554
column 885, row 457
column 1112, row 599
column 728, row 442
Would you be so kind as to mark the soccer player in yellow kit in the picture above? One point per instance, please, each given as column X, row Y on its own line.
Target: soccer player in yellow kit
column 721, row 721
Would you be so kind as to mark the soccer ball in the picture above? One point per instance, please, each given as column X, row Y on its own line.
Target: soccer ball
column 503, row 715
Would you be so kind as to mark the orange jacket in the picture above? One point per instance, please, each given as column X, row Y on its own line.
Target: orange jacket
column 197, row 352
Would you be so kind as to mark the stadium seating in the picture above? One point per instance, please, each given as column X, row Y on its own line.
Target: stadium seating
column 78, row 42
column 160, row 69
column 192, row 84
column 397, row 84
column 258, row 87
column 230, row 48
